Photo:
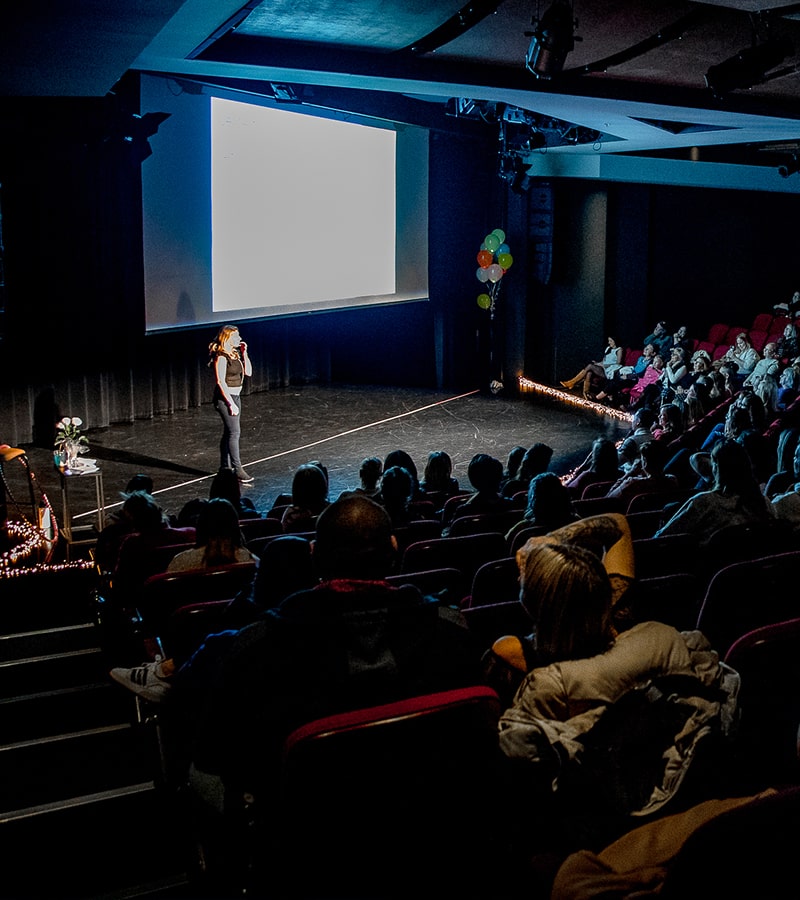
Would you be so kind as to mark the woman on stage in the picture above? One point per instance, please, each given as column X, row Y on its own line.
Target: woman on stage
column 228, row 355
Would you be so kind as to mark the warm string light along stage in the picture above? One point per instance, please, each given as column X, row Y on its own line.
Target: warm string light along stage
column 543, row 390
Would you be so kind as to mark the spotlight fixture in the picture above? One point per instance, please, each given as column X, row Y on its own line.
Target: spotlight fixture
column 790, row 168
column 749, row 67
column 552, row 39
column 521, row 182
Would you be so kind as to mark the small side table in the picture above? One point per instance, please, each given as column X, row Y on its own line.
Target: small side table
column 71, row 532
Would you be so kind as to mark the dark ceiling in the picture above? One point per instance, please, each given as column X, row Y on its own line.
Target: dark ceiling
column 635, row 81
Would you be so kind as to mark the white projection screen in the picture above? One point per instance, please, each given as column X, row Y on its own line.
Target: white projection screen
column 253, row 211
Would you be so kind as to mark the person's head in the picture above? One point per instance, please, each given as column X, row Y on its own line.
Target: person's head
column 654, row 457
column 514, row 460
column 701, row 363
column 438, row 471
column 658, row 362
column 787, row 442
column 284, row 567
column 677, row 356
column 226, row 341
column 535, row 460
column 605, row 461
column 143, row 512
column 790, row 331
column 612, row 342
column 397, row 488
column 644, row 418
column 370, row 472
column 225, row 484
column 660, row 328
column 321, row 466
column 309, row 488
column 648, row 351
column 567, row 593
column 742, row 341
column 485, row 473
column 750, row 401
column 219, row 532
column 403, row 459
column 549, row 501
column 681, row 333
column 354, row 540
column 139, row 483
column 670, row 417
column 732, row 469
column 770, row 350
column 737, row 421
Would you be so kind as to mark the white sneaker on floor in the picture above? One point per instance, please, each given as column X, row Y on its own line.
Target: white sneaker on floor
column 145, row 680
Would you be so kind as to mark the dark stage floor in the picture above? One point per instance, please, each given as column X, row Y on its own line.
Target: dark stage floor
column 338, row 425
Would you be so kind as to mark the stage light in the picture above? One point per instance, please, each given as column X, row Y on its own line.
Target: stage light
column 790, row 168
column 521, row 182
column 552, row 40
column 749, row 67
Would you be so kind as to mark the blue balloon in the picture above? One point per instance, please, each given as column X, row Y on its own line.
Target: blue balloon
column 503, row 248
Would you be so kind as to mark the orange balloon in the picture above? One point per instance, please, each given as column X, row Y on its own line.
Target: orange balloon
column 485, row 258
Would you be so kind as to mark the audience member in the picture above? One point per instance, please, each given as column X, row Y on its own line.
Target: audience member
column 218, row 539
column 650, row 477
column 438, row 475
column 676, row 377
column 602, row 464
column 647, row 390
column 735, row 498
column 669, row 424
column 598, row 370
column 744, row 355
column 627, row 376
column 788, row 345
column 309, row 498
column 404, row 460
column 369, row 475
column 764, row 377
column 787, row 504
column 788, row 384
column 485, row 473
column 397, row 488
column 549, row 505
column 535, row 460
column 513, row 462
column 783, row 477
column 350, row 642
column 226, row 485
column 661, row 339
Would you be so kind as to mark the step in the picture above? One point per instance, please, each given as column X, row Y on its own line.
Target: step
column 27, row 717
column 101, row 845
column 52, row 670
column 20, row 645
column 47, row 598
column 58, row 768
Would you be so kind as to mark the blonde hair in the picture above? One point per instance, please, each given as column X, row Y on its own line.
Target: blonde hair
column 218, row 346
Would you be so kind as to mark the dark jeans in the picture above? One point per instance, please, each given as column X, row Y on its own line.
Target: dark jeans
column 231, row 431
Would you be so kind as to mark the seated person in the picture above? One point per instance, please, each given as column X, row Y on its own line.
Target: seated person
column 485, row 474
column 218, row 537
column 226, row 484
column 309, row 498
column 535, row 460
column 649, row 478
column 438, row 476
column 397, row 487
column 352, row 641
column 787, row 505
column 571, row 714
column 549, row 505
column 602, row 464
column 369, row 475
column 136, row 560
column 735, row 498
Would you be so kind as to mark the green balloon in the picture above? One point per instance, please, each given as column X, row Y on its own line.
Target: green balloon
column 500, row 235
column 484, row 301
column 505, row 260
column 492, row 242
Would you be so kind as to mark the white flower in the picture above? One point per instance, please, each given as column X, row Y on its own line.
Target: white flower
column 66, row 421
column 76, row 421
column 61, row 425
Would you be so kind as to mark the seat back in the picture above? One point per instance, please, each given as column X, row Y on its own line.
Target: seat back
column 482, row 523
column 673, row 599
column 768, row 662
column 718, row 332
column 763, row 322
column 162, row 594
column 496, row 581
column 257, row 528
column 435, row 761
column 448, row 584
column 748, row 595
column 665, row 555
column 488, row 623
column 465, row 553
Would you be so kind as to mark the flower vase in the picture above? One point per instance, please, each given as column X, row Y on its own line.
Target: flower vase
column 72, row 448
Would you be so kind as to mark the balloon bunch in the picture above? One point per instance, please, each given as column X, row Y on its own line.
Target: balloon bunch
column 494, row 259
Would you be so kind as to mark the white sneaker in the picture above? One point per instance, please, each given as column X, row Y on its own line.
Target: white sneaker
column 145, row 680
